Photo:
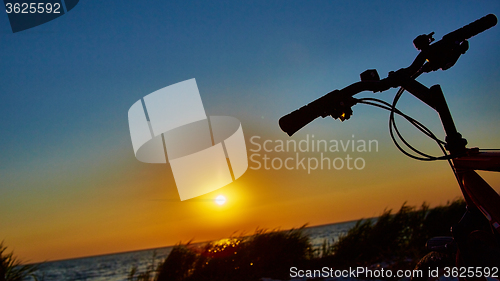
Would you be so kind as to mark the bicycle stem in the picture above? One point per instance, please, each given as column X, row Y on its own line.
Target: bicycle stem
column 434, row 98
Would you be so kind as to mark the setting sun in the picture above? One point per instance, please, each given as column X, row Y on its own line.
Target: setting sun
column 220, row 200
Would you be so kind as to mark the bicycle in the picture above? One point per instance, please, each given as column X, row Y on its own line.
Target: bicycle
column 472, row 245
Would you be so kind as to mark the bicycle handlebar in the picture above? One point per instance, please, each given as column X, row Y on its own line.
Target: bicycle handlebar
column 336, row 103
column 442, row 54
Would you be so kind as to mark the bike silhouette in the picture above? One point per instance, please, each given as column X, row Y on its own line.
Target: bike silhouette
column 474, row 246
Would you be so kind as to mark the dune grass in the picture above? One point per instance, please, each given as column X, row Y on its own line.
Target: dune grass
column 395, row 240
column 12, row 269
column 266, row 253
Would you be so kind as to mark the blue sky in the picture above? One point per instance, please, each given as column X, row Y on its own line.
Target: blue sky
column 66, row 86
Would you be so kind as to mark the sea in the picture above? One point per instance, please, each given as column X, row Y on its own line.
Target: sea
column 116, row 267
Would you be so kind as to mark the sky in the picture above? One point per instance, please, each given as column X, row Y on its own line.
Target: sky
column 70, row 185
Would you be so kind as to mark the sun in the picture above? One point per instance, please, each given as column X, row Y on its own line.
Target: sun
column 220, row 200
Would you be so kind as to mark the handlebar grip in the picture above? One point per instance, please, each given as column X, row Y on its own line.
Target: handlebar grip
column 295, row 120
column 472, row 29
column 323, row 106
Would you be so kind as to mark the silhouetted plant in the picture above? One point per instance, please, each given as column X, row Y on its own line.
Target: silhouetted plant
column 398, row 238
column 178, row 265
column 264, row 254
column 11, row 268
column 395, row 239
column 148, row 275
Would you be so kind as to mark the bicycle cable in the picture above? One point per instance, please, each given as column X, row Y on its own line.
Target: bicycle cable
column 393, row 127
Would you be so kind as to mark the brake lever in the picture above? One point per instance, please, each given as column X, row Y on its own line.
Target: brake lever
column 343, row 109
column 443, row 56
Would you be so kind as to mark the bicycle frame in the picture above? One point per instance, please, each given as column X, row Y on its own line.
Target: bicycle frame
column 476, row 191
column 483, row 202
